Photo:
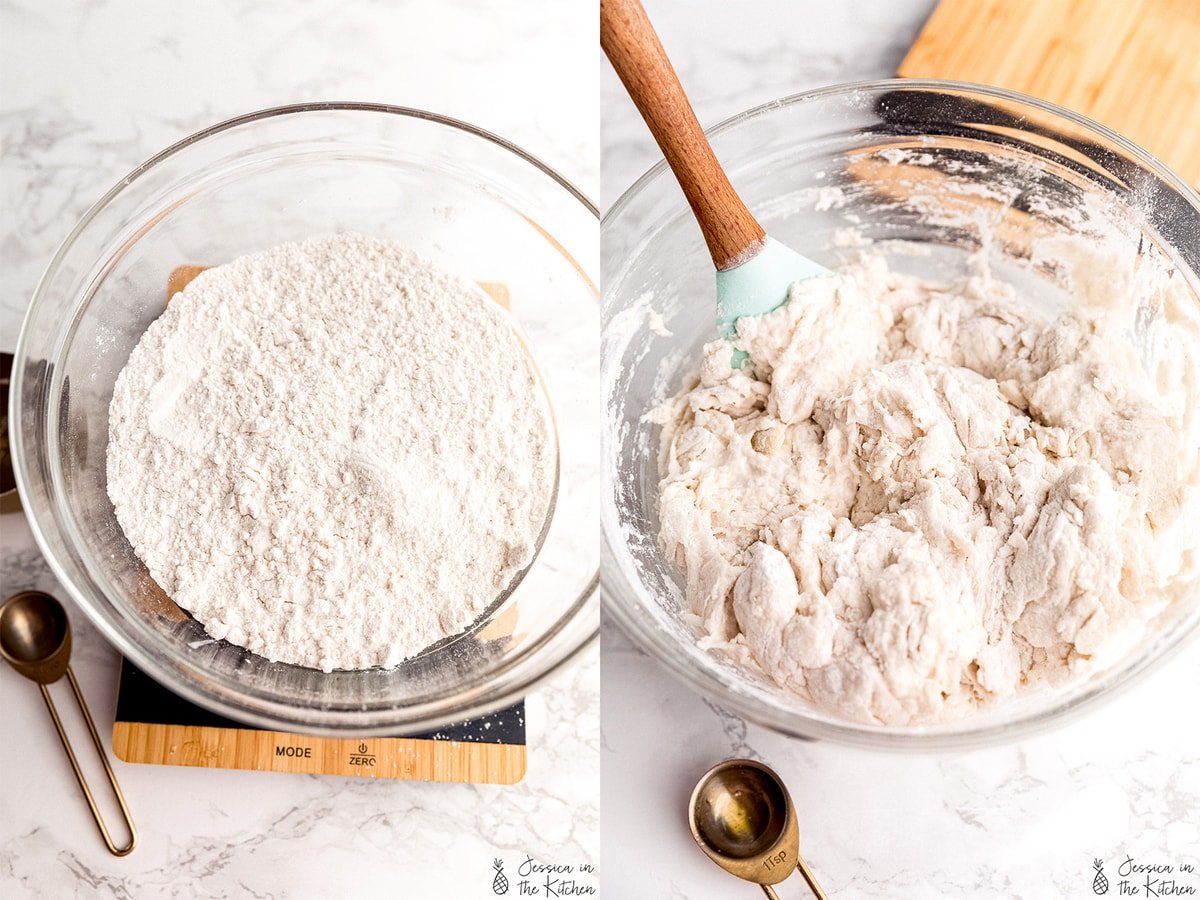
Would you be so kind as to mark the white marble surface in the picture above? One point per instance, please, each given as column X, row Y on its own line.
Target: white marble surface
column 88, row 89
column 1024, row 820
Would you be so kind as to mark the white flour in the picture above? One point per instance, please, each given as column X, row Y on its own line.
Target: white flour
column 331, row 453
column 930, row 498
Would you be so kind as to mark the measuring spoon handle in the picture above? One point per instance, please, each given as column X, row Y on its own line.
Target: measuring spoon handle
column 810, row 878
column 112, row 780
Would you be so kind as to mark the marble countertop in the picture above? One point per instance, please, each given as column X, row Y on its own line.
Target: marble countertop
column 90, row 89
column 94, row 87
column 1024, row 820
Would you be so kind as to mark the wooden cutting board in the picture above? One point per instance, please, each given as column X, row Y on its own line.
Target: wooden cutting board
column 1133, row 65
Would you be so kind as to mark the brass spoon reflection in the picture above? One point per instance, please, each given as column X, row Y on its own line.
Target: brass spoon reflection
column 35, row 639
column 743, row 819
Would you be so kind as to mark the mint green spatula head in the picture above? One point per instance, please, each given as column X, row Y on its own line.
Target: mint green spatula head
column 761, row 284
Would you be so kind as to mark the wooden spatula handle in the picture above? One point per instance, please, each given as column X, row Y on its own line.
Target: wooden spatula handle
column 732, row 233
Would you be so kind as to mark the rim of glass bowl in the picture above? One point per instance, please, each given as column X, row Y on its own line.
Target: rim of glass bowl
column 509, row 683
column 619, row 575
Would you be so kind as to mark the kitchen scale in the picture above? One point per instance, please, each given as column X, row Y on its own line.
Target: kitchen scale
column 155, row 726
column 158, row 727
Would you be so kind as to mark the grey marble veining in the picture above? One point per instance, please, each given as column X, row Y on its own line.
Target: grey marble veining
column 1018, row 821
column 229, row 833
column 732, row 56
column 89, row 89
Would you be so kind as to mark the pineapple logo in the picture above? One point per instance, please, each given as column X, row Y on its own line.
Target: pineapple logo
column 500, row 882
column 1100, row 882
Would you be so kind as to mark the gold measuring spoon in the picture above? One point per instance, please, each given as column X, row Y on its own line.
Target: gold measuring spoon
column 744, row 821
column 35, row 639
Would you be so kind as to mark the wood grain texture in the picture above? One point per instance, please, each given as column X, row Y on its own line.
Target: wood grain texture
column 1133, row 65
column 181, row 277
column 628, row 39
column 272, row 751
column 912, row 185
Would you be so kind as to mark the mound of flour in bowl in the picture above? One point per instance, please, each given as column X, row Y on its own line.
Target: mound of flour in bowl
column 331, row 452
column 927, row 497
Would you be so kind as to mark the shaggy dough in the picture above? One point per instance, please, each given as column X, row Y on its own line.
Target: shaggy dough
column 924, row 498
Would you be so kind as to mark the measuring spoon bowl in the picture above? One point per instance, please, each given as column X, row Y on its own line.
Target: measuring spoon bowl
column 743, row 819
column 35, row 636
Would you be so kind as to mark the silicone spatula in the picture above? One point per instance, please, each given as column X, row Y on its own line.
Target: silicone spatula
column 753, row 270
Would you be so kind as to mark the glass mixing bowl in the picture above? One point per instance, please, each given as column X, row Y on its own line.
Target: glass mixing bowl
column 472, row 202
column 930, row 172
